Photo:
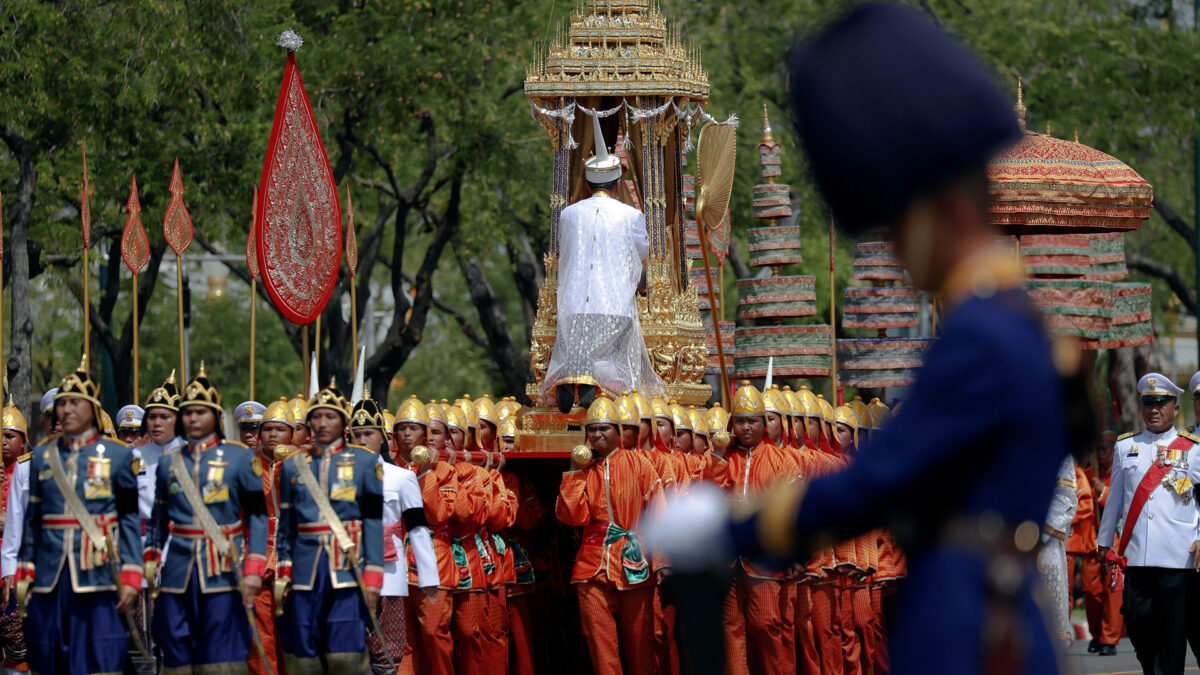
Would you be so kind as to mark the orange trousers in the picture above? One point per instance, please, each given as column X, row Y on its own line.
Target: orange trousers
column 496, row 631
column 866, row 625
column 469, row 626
column 615, row 624
column 430, row 648
column 882, row 660
column 808, row 659
column 520, row 634
column 1101, row 604
column 851, row 647
column 760, row 631
column 666, row 653
column 264, row 620
column 827, row 627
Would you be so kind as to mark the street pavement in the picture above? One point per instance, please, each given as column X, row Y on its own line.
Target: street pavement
column 1124, row 663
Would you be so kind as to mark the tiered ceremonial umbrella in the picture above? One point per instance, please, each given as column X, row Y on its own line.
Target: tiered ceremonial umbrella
column 1069, row 206
column 764, row 303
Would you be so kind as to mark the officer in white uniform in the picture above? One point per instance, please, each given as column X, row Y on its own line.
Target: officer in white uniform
column 129, row 424
column 1152, row 495
column 18, row 499
column 248, row 416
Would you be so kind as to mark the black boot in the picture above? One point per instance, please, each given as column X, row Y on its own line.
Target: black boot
column 1094, row 646
column 566, row 397
column 587, row 395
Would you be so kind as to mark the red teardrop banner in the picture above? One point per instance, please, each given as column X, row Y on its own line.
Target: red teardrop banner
column 299, row 218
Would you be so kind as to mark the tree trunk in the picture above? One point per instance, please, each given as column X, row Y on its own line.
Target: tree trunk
column 510, row 359
column 20, row 363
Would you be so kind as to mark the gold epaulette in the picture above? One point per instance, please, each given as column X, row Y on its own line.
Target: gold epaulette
column 1190, row 436
column 237, row 443
column 361, row 447
column 1128, row 435
column 25, row 457
column 282, row 452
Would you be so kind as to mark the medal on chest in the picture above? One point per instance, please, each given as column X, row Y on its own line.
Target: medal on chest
column 215, row 489
column 343, row 484
column 98, row 483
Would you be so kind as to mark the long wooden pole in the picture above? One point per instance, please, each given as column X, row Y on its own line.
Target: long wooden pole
column 837, row 391
column 317, row 349
column 87, row 305
column 179, row 307
column 712, row 301
column 253, row 329
column 304, row 358
column 354, row 323
column 137, row 392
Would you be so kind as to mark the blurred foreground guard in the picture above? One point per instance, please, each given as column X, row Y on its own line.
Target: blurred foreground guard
column 1154, row 474
column 899, row 123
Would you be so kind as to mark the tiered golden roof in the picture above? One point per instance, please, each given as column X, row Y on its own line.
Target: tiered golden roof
column 617, row 48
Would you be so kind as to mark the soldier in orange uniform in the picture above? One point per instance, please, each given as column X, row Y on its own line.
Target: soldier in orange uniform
column 430, row 649
column 1081, row 544
column 760, row 632
column 606, row 494
column 521, row 585
column 501, row 514
column 273, row 446
column 1103, row 608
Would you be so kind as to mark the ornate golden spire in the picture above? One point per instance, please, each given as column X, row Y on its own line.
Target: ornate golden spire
column 1019, row 108
column 768, row 136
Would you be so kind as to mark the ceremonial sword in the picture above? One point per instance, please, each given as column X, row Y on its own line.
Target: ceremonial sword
column 129, row 622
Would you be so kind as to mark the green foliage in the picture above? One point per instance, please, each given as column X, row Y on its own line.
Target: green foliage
column 145, row 81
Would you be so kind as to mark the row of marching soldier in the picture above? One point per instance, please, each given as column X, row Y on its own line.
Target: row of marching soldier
column 179, row 550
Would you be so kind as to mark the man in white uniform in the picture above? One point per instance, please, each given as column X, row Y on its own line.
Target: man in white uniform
column 403, row 514
column 1052, row 556
column 129, row 425
column 1152, row 494
column 602, row 246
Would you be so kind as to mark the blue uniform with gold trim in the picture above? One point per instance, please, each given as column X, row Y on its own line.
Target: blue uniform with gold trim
column 198, row 618
column 73, row 624
column 324, row 616
column 979, row 441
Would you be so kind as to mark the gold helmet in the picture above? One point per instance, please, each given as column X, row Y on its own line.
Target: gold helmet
column 485, row 410
column 507, row 428
column 601, row 411
column 506, row 408
column 389, row 421
column 434, row 411
column 791, row 401
column 808, row 403
column 13, row 420
column 330, row 398
column 826, row 409
column 454, row 418
column 748, row 401
column 412, row 410
column 368, row 415
column 280, row 411
column 773, row 401
column 877, row 414
column 106, row 425
column 165, row 395
column 716, row 419
column 680, row 418
column 299, row 408
column 645, row 409
column 627, row 412
column 200, row 391
column 697, row 421
column 79, row 384
column 844, row 414
column 467, row 406
column 859, row 408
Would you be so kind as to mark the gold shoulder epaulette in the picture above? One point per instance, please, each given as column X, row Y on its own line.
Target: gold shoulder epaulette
column 1124, row 436
column 361, row 447
column 118, row 441
column 1190, row 436
column 282, row 452
column 25, row 457
column 237, row 443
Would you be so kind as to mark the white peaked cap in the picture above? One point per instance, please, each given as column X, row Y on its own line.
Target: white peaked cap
column 1157, row 384
column 603, row 167
column 1194, row 384
column 48, row 401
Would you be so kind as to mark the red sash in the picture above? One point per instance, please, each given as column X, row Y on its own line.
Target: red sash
column 1149, row 481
